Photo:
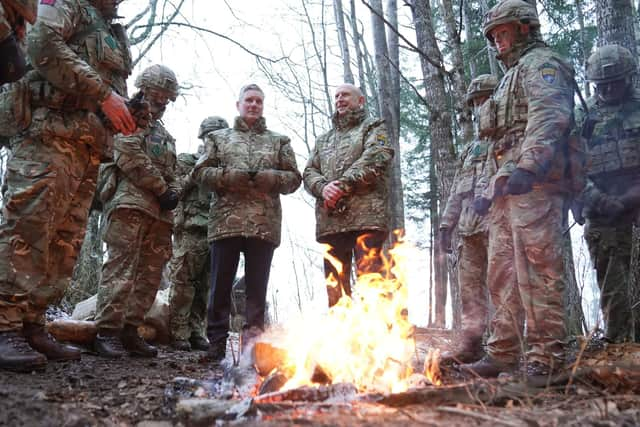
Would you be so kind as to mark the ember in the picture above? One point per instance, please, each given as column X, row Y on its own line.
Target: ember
column 366, row 340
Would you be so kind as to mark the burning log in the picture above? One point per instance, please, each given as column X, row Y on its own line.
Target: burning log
column 340, row 392
column 84, row 331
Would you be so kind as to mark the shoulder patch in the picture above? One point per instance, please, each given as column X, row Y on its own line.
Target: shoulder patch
column 48, row 2
column 548, row 72
column 382, row 139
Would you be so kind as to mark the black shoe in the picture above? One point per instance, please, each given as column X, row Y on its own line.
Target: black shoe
column 42, row 341
column 181, row 345
column 199, row 343
column 108, row 344
column 17, row 355
column 217, row 351
column 135, row 344
column 488, row 367
column 469, row 351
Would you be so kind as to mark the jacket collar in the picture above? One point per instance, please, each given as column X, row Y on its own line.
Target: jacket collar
column 258, row 127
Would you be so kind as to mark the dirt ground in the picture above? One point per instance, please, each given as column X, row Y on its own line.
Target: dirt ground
column 142, row 392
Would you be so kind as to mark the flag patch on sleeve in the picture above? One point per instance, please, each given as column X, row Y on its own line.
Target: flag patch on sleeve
column 549, row 73
column 48, row 2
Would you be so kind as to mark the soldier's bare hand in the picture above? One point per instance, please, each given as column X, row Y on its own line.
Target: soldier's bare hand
column 115, row 108
column 331, row 193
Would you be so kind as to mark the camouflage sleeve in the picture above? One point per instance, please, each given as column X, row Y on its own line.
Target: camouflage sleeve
column 207, row 171
column 314, row 180
column 289, row 177
column 184, row 165
column 374, row 161
column 136, row 165
column 54, row 59
column 5, row 26
column 549, row 92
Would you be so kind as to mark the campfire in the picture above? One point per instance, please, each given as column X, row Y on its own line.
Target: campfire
column 365, row 340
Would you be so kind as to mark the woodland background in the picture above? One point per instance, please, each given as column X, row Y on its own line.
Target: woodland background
column 413, row 60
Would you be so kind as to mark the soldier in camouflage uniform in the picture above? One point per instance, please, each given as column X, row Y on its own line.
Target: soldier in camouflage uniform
column 348, row 174
column 190, row 263
column 13, row 14
column 247, row 167
column 81, row 64
column 473, row 232
column 612, row 195
column 139, row 222
column 528, row 120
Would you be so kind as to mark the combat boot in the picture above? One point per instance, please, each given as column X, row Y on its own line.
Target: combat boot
column 180, row 344
column 42, row 341
column 217, row 351
column 135, row 344
column 108, row 344
column 488, row 367
column 199, row 342
column 469, row 350
column 17, row 355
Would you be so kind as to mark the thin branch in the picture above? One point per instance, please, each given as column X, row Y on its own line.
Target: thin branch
column 436, row 64
column 222, row 36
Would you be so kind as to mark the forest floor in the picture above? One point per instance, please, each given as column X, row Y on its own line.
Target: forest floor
column 156, row 393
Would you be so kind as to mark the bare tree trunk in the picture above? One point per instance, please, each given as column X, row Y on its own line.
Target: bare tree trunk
column 442, row 148
column 467, row 28
column 88, row 268
column 574, row 320
column 342, row 39
column 356, row 38
column 462, row 111
column 580, row 15
column 386, row 101
column 493, row 62
column 615, row 24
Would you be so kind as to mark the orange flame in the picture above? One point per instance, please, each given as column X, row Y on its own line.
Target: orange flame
column 432, row 367
column 366, row 340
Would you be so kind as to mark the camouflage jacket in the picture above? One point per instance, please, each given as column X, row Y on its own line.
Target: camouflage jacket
column 357, row 153
column 528, row 120
column 79, row 53
column 241, row 210
column 614, row 150
column 193, row 210
column 146, row 163
column 459, row 210
column 6, row 24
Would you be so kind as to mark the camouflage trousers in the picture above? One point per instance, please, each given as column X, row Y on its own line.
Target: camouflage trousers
column 138, row 246
column 610, row 251
column 526, row 278
column 50, row 182
column 189, row 267
column 472, row 279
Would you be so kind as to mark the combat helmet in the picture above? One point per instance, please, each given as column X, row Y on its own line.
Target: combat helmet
column 28, row 9
column 483, row 85
column 509, row 11
column 159, row 77
column 210, row 124
column 610, row 62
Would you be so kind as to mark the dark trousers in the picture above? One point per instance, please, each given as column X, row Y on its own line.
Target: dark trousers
column 345, row 247
column 225, row 255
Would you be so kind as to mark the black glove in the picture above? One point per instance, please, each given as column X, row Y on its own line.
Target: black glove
column 13, row 65
column 444, row 240
column 481, row 205
column 266, row 180
column 520, row 182
column 168, row 200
